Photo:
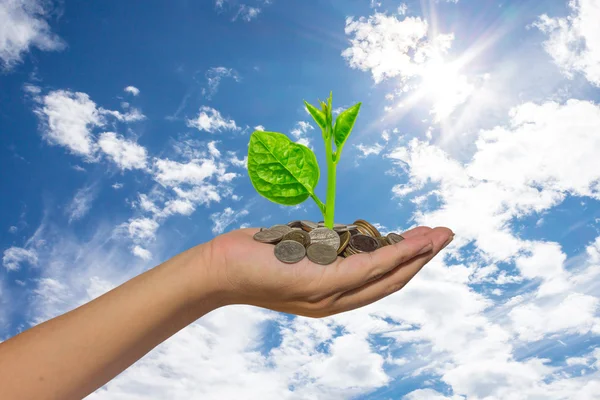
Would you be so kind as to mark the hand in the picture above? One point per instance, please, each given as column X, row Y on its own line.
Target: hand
column 248, row 272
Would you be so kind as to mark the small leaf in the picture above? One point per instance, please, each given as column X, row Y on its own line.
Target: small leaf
column 317, row 115
column 344, row 124
column 281, row 170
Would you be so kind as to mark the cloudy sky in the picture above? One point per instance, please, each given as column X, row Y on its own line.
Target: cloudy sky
column 123, row 139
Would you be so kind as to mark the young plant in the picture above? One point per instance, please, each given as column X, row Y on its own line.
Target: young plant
column 287, row 173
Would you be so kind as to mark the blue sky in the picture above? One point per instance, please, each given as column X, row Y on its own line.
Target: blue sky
column 123, row 135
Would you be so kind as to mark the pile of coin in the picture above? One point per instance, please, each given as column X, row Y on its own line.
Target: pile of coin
column 322, row 245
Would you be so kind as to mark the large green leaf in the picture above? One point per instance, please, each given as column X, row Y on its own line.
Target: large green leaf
column 344, row 124
column 318, row 115
column 281, row 170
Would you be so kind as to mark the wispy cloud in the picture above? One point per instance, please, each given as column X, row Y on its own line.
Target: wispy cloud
column 214, row 77
column 221, row 220
column 24, row 25
column 81, row 203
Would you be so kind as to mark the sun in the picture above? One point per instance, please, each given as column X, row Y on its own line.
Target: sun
column 443, row 84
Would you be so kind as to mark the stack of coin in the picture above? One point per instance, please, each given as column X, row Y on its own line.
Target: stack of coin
column 322, row 245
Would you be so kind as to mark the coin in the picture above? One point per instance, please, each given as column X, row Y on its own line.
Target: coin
column 394, row 238
column 321, row 254
column 281, row 228
column 308, row 225
column 268, row 236
column 344, row 240
column 367, row 227
column 289, row 251
column 325, row 236
column 339, row 228
column 295, row 224
column 363, row 243
column 298, row 236
column 382, row 241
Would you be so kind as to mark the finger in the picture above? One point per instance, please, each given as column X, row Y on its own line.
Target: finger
column 356, row 270
column 395, row 279
column 418, row 231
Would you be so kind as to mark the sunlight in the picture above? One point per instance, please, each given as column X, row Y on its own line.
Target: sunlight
column 444, row 85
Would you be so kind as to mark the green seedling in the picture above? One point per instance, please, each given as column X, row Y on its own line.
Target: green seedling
column 287, row 173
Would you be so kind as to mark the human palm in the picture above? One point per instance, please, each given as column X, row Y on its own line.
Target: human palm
column 253, row 275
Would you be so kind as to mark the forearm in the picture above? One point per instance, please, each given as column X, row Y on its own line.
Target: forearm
column 72, row 355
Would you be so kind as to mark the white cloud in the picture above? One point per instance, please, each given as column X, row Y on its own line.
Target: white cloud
column 210, row 120
column 23, row 25
column 81, row 203
column 132, row 90
column 117, row 185
column 366, row 150
column 171, row 173
column 573, row 315
column 574, row 41
column 429, row 394
column 259, row 128
column 68, row 118
column 133, row 115
column 13, row 229
column 214, row 76
column 247, row 13
column 389, row 47
column 236, row 162
column 15, row 256
column 142, row 230
column 212, row 149
column 300, row 132
column 125, row 153
column 142, row 253
column 221, row 220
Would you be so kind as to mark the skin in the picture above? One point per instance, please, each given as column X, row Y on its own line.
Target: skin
column 72, row 355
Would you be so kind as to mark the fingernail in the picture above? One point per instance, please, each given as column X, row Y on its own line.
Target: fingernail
column 450, row 239
column 425, row 249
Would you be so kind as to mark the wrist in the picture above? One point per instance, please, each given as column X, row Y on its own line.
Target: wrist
column 198, row 274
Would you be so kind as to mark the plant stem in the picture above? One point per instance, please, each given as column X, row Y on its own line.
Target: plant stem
column 331, row 167
column 319, row 204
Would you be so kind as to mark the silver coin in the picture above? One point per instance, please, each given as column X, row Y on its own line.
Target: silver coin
column 268, row 236
column 393, row 238
column 298, row 236
column 308, row 225
column 295, row 224
column 281, row 228
column 325, row 236
column 289, row 251
column 321, row 254
column 339, row 228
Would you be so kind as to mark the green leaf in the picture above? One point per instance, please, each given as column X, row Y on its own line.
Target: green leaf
column 281, row 170
column 344, row 124
column 318, row 115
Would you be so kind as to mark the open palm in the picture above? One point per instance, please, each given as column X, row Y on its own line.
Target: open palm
column 254, row 276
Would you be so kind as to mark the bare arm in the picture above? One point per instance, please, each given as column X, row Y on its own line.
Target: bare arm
column 72, row 355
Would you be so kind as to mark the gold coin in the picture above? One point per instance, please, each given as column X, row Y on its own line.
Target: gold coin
column 344, row 240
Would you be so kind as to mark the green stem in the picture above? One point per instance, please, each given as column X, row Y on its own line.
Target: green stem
column 319, row 204
column 331, row 167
